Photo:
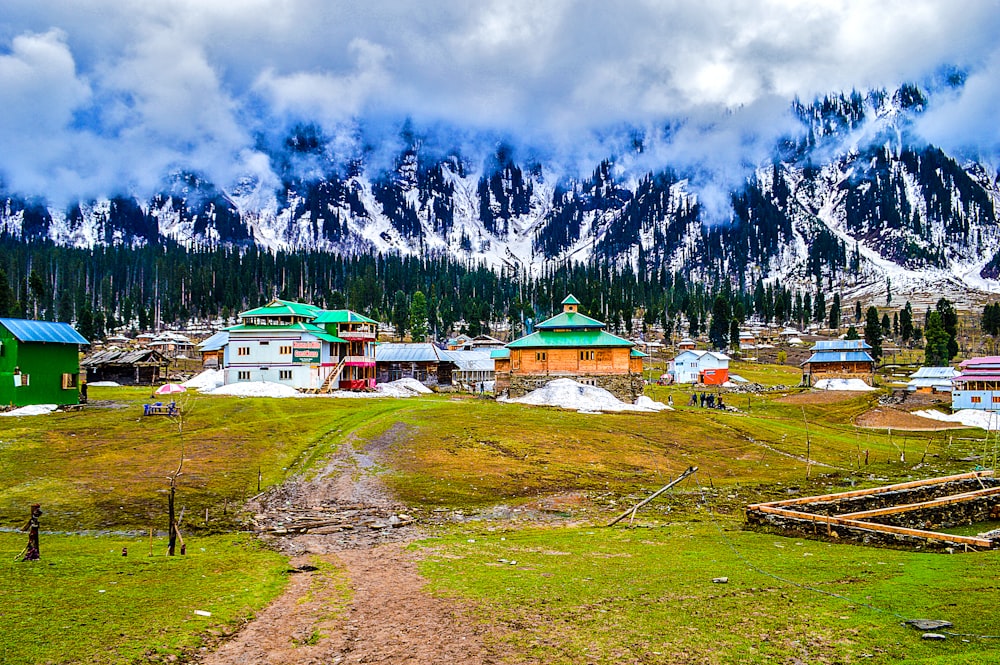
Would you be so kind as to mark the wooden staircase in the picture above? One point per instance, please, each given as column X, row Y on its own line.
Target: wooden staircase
column 330, row 379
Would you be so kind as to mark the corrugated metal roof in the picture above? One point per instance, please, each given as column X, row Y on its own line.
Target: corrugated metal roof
column 986, row 361
column 26, row 330
column 570, row 300
column 934, row 373
column 500, row 353
column 470, row 361
column 215, row 342
column 398, row 352
column 550, row 338
column 840, row 345
column 966, row 377
column 119, row 357
column 840, row 357
column 279, row 307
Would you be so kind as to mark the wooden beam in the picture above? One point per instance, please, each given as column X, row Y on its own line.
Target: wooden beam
column 872, row 526
column 877, row 490
column 934, row 503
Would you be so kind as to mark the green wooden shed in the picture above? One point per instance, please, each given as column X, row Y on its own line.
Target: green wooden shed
column 39, row 363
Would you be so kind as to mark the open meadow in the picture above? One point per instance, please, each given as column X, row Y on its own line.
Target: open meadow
column 511, row 501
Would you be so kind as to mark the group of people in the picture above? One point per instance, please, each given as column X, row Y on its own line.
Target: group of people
column 707, row 400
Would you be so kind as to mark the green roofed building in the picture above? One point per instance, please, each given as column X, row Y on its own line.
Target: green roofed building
column 39, row 363
column 303, row 346
column 575, row 346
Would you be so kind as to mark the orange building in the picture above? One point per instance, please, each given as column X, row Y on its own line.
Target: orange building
column 570, row 345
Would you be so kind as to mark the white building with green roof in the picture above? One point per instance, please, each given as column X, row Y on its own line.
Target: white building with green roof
column 302, row 346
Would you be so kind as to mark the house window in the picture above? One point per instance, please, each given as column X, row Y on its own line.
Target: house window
column 996, row 399
column 976, row 399
column 540, row 355
column 285, row 375
column 69, row 381
column 586, row 355
column 243, row 376
column 285, row 350
column 20, row 379
column 243, row 350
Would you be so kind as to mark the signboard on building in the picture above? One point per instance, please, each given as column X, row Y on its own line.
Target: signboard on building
column 306, row 352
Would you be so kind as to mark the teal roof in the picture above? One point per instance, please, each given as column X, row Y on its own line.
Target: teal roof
column 636, row 353
column 279, row 307
column 570, row 320
column 341, row 316
column 551, row 338
column 570, row 300
column 500, row 353
column 310, row 328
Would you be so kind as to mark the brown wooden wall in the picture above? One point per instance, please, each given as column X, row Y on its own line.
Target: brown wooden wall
column 568, row 361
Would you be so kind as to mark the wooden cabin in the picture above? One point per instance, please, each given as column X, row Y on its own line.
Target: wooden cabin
column 575, row 346
column 839, row 359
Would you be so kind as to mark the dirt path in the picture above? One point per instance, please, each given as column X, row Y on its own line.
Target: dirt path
column 383, row 615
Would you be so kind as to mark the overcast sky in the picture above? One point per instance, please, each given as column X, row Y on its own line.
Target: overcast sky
column 112, row 94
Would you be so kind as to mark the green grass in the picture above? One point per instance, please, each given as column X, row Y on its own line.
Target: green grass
column 615, row 595
column 83, row 602
column 597, row 595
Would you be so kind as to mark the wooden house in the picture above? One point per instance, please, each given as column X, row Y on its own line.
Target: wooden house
column 302, row 346
column 696, row 366
column 422, row 361
column 978, row 384
column 128, row 367
column 39, row 363
column 685, row 344
column 839, row 359
column 212, row 349
column 571, row 345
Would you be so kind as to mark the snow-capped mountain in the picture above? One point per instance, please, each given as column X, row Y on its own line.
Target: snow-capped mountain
column 852, row 200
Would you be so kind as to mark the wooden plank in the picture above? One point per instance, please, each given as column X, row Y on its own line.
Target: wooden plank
column 876, row 490
column 872, row 526
column 934, row 503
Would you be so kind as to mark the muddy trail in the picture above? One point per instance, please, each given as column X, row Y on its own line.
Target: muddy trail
column 343, row 526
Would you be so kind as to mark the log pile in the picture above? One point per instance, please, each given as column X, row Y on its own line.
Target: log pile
column 327, row 519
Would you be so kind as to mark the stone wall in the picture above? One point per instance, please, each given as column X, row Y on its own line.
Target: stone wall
column 626, row 387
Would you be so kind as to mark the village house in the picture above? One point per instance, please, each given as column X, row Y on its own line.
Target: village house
column 748, row 341
column 695, row 366
column 302, row 346
column 171, row 344
column 127, row 367
column 932, row 380
column 839, row 359
column 39, row 363
column 978, row 384
column 685, row 344
column 473, row 370
column 212, row 349
column 422, row 361
column 570, row 345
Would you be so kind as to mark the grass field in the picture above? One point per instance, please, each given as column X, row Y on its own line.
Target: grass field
column 577, row 593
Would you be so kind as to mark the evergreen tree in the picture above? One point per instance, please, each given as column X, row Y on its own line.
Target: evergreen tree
column 400, row 314
column 36, row 288
column 949, row 319
column 6, row 295
column 852, row 333
column 418, row 317
column 819, row 307
column 734, row 333
column 834, row 321
column 857, row 312
column 886, row 326
column 873, row 332
column 936, row 348
column 718, row 333
column 906, row 323
column 85, row 324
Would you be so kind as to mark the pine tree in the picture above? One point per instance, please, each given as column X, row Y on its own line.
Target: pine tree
column 834, row 321
column 906, row 323
column 936, row 348
column 949, row 319
column 857, row 312
column 6, row 295
column 873, row 332
column 418, row 317
column 719, row 331
column 400, row 313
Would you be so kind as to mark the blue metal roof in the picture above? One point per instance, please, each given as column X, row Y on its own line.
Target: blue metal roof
column 26, row 330
column 840, row 345
column 839, row 357
column 216, row 342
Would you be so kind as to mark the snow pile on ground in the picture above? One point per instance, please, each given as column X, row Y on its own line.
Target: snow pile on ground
column 568, row 394
column 208, row 380
column 255, row 389
column 970, row 417
column 32, row 410
column 104, row 384
column 403, row 388
column 843, row 384
column 648, row 403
